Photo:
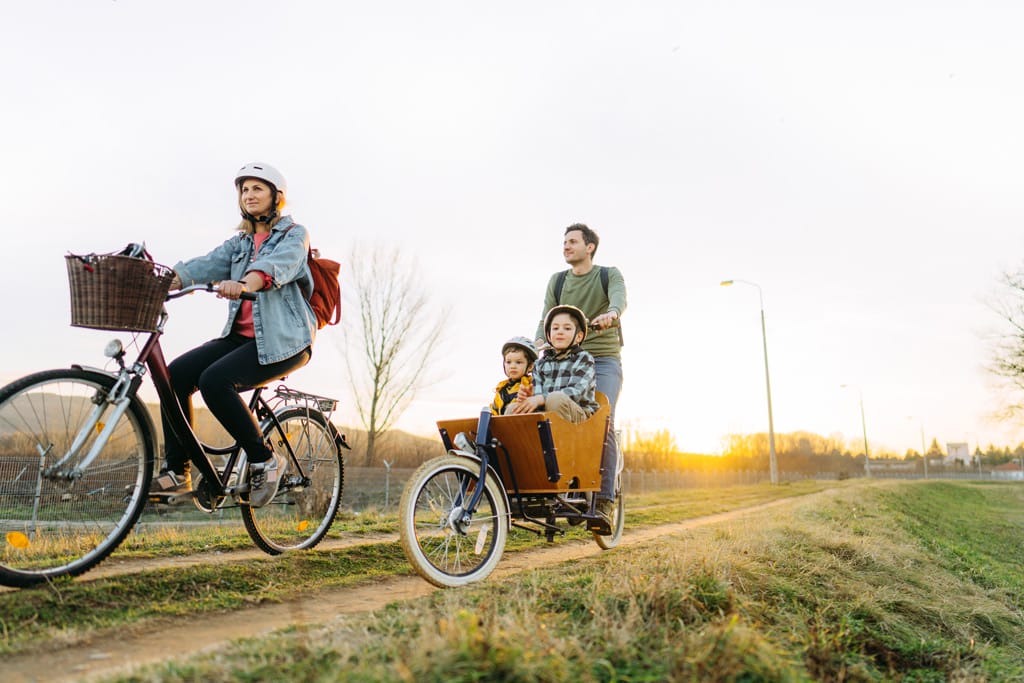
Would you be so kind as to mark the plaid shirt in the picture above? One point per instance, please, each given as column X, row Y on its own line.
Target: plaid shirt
column 571, row 372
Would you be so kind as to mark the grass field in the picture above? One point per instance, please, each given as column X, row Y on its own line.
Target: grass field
column 868, row 581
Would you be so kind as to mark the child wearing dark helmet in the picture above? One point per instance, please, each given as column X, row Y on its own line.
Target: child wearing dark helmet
column 564, row 380
column 518, row 355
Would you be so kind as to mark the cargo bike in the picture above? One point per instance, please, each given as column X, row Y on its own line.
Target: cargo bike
column 534, row 471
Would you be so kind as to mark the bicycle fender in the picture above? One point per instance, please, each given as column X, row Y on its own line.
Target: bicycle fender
column 135, row 400
column 91, row 368
column 490, row 472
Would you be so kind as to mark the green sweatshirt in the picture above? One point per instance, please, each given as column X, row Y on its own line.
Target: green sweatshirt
column 586, row 293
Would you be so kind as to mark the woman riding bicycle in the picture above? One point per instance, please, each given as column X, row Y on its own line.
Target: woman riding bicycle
column 262, row 340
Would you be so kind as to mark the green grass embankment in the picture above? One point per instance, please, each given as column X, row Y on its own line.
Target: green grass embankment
column 875, row 582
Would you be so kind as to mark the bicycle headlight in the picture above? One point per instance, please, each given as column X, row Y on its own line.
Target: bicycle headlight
column 463, row 443
column 113, row 349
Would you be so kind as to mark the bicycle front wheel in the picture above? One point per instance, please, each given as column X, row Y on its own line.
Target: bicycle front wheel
column 446, row 547
column 303, row 510
column 59, row 518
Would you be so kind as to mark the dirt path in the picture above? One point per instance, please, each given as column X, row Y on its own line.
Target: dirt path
column 115, row 567
column 146, row 645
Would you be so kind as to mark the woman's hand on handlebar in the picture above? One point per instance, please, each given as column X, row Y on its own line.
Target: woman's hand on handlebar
column 229, row 289
column 210, row 287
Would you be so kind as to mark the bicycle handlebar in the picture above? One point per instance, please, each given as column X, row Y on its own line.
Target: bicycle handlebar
column 208, row 287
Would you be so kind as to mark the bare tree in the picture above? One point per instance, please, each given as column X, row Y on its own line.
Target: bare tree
column 1007, row 356
column 390, row 343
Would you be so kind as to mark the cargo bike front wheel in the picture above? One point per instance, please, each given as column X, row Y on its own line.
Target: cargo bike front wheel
column 447, row 544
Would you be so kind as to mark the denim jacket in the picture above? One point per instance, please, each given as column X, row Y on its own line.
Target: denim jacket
column 282, row 318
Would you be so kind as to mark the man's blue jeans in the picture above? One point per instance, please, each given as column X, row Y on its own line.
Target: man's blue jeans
column 609, row 383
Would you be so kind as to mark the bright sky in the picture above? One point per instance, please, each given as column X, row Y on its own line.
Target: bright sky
column 860, row 161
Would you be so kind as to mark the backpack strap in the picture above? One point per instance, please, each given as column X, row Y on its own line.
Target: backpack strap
column 559, row 284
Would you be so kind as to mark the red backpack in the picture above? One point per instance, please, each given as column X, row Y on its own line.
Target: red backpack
column 326, row 298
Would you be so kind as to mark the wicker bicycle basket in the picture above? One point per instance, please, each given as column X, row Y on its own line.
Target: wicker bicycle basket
column 114, row 292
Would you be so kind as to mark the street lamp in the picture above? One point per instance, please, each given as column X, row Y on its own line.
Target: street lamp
column 864, row 427
column 924, row 456
column 773, row 467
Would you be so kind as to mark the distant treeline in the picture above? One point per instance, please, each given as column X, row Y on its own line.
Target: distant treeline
column 795, row 452
column 803, row 452
column 993, row 455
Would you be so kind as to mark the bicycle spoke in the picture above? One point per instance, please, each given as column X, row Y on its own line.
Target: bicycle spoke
column 63, row 520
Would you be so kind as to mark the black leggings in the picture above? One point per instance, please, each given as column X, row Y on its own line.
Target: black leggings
column 220, row 369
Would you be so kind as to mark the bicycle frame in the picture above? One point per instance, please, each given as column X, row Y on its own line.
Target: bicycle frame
column 79, row 450
column 129, row 379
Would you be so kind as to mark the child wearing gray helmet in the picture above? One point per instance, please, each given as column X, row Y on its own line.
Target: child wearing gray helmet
column 518, row 356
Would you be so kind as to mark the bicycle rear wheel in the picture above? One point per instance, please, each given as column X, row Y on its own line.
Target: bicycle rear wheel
column 607, row 542
column 303, row 510
column 55, row 520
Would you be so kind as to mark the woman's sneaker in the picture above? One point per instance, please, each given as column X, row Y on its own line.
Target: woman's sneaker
column 264, row 478
column 170, row 487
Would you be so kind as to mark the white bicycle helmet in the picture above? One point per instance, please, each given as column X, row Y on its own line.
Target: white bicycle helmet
column 258, row 169
column 270, row 175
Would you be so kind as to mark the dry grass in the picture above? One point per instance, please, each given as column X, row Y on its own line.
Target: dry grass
column 844, row 587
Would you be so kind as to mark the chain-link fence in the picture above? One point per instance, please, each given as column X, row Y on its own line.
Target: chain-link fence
column 378, row 487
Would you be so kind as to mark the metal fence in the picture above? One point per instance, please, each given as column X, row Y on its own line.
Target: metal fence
column 377, row 487
column 965, row 475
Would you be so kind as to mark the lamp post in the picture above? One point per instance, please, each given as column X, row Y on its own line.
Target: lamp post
column 773, row 466
column 924, row 456
column 864, row 428
column 979, row 457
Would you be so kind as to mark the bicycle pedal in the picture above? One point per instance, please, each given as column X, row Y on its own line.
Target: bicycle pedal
column 170, row 499
column 599, row 526
column 181, row 498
